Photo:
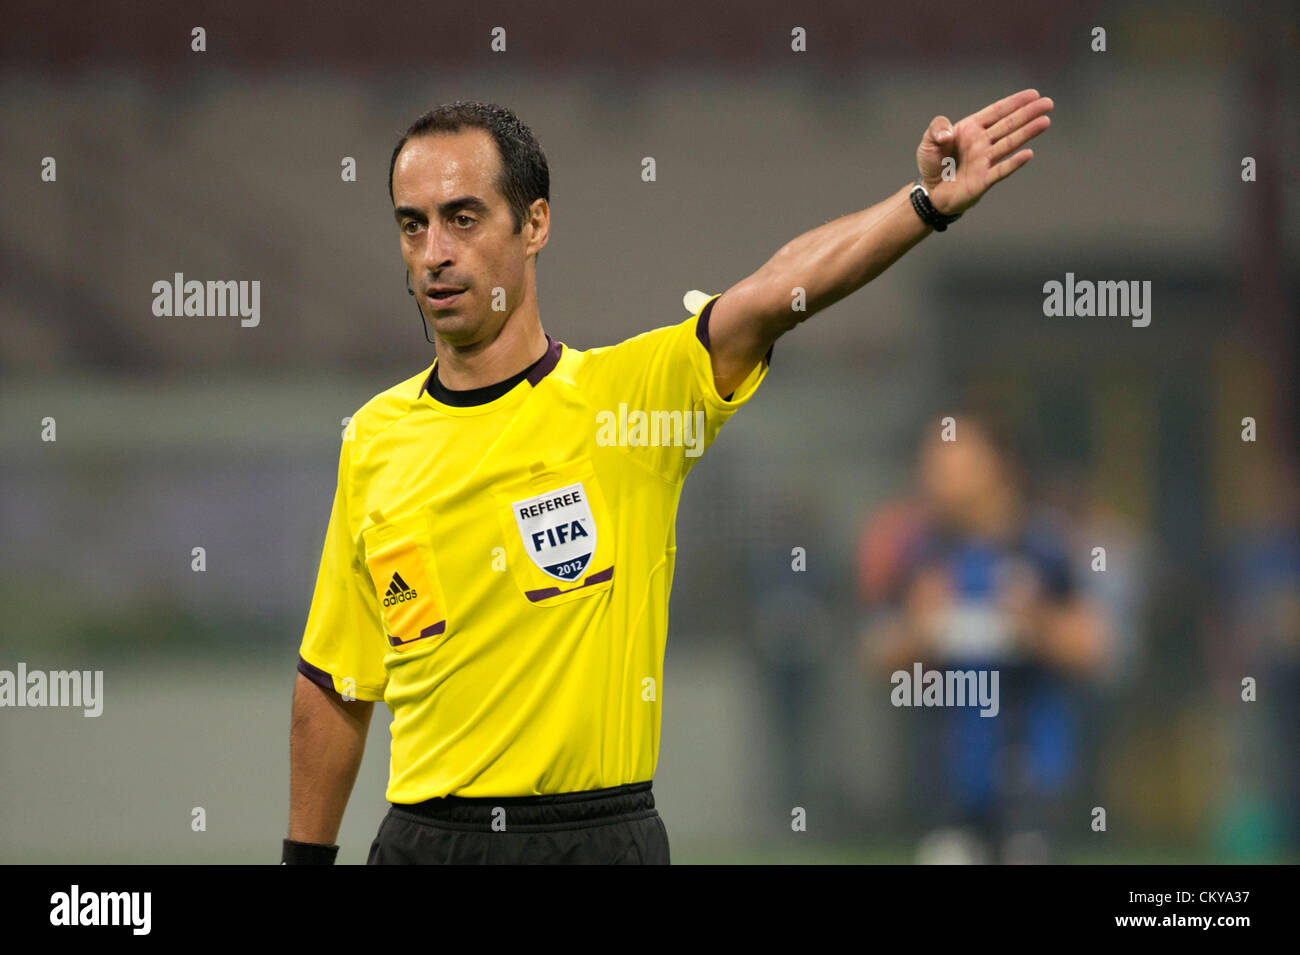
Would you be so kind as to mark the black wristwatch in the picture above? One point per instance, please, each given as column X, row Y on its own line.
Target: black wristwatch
column 307, row 853
column 926, row 210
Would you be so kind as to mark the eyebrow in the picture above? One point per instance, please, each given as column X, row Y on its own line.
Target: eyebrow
column 473, row 203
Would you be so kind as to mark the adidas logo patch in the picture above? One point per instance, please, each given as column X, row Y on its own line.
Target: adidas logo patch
column 398, row 591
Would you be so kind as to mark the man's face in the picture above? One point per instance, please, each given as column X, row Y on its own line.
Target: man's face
column 956, row 475
column 456, row 230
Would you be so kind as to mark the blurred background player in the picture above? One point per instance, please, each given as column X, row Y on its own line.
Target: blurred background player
column 970, row 575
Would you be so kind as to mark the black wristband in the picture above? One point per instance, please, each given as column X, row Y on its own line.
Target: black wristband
column 926, row 210
column 307, row 853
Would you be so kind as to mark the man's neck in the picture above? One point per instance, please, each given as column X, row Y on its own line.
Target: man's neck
column 996, row 514
column 520, row 343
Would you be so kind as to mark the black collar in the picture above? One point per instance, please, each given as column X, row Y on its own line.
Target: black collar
column 468, row 397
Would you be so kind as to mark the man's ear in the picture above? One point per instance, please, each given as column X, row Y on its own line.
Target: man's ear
column 539, row 217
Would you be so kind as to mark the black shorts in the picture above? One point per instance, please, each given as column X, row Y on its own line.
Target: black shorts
column 619, row 825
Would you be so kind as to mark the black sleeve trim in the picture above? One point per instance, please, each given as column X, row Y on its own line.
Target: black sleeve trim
column 702, row 333
column 316, row 675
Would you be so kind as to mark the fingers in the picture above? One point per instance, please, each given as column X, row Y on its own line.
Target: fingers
column 1008, row 166
column 995, row 111
column 1025, row 114
column 1006, row 126
column 1010, row 143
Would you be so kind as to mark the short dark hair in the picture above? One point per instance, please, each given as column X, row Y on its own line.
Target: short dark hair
column 525, row 176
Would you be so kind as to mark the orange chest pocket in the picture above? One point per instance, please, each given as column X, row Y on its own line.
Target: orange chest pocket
column 401, row 564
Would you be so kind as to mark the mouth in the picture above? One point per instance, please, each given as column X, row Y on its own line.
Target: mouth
column 443, row 295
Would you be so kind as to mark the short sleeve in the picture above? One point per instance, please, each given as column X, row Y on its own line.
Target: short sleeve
column 656, row 394
column 344, row 644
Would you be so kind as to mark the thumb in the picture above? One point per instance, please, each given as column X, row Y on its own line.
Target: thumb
column 939, row 132
column 937, row 141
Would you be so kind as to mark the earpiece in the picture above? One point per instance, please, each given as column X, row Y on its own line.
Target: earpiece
column 424, row 325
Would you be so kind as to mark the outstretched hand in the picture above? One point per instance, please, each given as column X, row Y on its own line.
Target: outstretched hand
column 983, row 146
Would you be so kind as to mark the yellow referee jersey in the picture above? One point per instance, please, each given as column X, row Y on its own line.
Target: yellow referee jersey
column 499, row 574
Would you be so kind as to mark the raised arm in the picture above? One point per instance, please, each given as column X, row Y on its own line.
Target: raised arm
column 838, row 258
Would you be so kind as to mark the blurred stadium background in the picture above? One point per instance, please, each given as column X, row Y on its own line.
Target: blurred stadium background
column 182, row 432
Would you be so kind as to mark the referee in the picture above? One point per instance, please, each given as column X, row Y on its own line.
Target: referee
column 499, row 556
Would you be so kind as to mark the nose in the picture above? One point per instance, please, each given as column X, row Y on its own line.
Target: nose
column 437, row 249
